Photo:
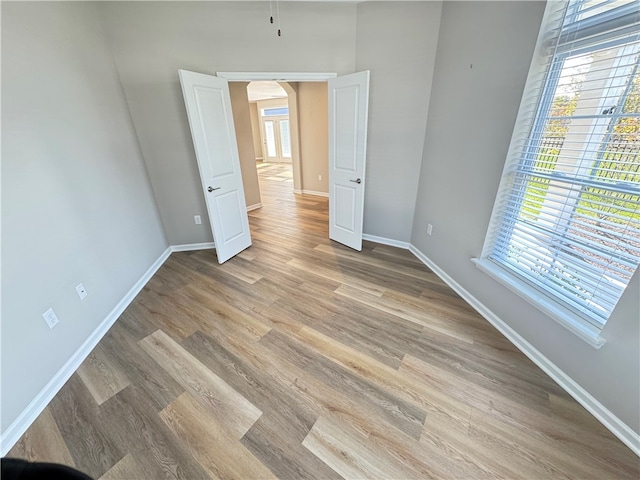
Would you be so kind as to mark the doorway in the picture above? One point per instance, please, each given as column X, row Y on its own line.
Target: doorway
column 213, row 127
column 271, row 125
column 275, row 131
column 346, row 102
column 290, row 125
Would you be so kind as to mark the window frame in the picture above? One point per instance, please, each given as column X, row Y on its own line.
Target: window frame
column 531, row 125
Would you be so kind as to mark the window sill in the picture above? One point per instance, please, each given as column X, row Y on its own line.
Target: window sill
column 562, row 315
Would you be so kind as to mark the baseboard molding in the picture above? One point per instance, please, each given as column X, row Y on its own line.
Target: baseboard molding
column 20, row 425
column 620, row 429
column 255, row 206
column 311, row 192
column 188, row 247
column 386, row 241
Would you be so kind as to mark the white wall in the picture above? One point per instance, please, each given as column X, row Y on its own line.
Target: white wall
column 471, row 118
column 152, row 40
column 77, row 205
column 397, row 42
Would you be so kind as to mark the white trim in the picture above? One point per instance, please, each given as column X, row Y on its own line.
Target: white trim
column 276, row 76
column 255, row 206
column 311, row 192
column 386, row 241
column 620, row 429
column 188, row 247
column 569, row 320
column 20, row 425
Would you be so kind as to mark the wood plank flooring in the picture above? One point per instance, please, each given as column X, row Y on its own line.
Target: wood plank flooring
column 300, row 358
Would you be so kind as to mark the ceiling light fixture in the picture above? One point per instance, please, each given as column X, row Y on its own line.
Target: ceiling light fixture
column 277, row 14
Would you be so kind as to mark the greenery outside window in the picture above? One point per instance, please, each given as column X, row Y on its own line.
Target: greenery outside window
column 565, row 230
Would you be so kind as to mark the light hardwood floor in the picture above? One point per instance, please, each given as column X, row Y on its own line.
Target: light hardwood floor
column 301, row 358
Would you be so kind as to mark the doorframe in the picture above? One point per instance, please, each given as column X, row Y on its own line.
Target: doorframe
column 274, row 103
column 277, row 76
column 285, row 77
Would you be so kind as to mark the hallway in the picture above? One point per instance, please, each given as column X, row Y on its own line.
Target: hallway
column 281, row 206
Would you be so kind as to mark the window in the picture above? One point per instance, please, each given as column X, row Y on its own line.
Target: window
column 271, row 112
column 565, row 230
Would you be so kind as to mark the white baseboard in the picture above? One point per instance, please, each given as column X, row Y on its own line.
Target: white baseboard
column 311, row 192
column 620, row 429
column 255, row 206
column 20, row 425
column 317, row 194
column 386, row 241
column 188, row 247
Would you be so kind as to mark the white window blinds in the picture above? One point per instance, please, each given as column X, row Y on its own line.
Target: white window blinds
column 567, row 215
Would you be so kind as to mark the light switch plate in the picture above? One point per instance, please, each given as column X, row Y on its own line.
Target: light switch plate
column 81, row 291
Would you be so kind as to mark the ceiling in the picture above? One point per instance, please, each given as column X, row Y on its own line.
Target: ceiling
column 264, row 90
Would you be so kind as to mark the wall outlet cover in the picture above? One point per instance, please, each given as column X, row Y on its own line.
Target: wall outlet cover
column 50, row 317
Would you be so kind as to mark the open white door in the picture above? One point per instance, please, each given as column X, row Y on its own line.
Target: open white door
column 214, row 139
column 348, row 108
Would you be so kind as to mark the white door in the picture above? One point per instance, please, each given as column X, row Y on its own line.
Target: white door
column 214, row 139
column 276, row 139
column 348, row 106
column 269, row 140
column 275, row 132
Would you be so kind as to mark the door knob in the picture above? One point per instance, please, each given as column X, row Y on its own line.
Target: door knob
column 357, row 180
column 211, row 189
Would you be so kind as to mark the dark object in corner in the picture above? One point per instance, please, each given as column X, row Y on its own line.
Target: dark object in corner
column 16, row 469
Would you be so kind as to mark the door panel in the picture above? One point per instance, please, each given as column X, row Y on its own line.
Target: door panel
column 211, row 121
column 230, row 202
column 218, row 159
column 346, row 117
column 270, row 140
column 285, row 139
column 345, row 218
column 348, row 111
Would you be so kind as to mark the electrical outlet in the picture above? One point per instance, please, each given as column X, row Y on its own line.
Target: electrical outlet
column 429, row 229
column 197, row 219
column 50, row 317
column 81, row 291
column 319, row 178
